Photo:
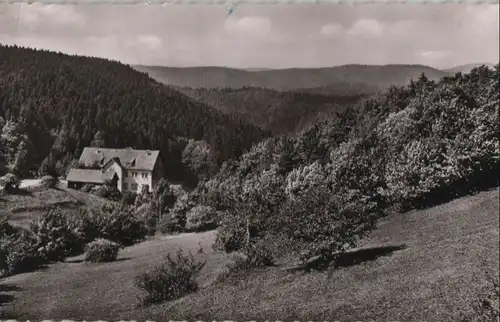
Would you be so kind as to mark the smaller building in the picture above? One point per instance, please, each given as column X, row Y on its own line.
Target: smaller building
column 79, row 177
column 127, row 169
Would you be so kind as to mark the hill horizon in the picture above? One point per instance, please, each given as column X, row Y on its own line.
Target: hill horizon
column 261, row 69
column 363, row 77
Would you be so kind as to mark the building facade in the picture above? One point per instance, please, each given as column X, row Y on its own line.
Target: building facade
column 129, row 169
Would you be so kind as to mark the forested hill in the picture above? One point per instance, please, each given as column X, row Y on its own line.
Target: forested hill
column 278, row 112
column 409, row 147
column 467, row 68
column 328, row 80
column 52, row 105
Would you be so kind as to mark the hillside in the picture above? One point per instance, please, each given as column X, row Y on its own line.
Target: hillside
column 22, row 209
column 362, row 77
column 410, row 147
column 421, row 266
column 467, row 68
column 278, row 112
column 388, row 207
column 52, row 105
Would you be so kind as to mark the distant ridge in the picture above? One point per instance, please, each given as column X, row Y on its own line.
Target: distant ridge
column 467, row 68
column 371, row 76
column 257, row 69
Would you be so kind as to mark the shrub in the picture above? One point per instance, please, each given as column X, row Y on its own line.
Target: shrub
column 175, row 219
column 172, row 279
column 147, row 213
column 144, row 197
column 324, row 222
column 101, row 250
column 119, row 224
column 128, row 198
column 10, row 183
column 231, row 235
column 253, row 256
column 48, row 182
column 18, row 254
column 6, row 229
column 258, row 255
column 87, row 188
column 59, row 234
column 107, row 191
column 201, row 218
column 233, row 269
column 250, row 210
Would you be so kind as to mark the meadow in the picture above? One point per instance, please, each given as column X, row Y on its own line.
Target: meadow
column 423, row 265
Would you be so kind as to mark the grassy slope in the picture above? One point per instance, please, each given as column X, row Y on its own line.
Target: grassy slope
column 434, row 275
column 26, row 207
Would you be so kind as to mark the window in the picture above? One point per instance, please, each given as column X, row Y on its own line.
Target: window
column 125, row 186
column 133, row 186
column 145, row 187
column 144, row 174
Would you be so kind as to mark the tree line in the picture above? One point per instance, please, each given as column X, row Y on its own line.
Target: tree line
column 52, row 105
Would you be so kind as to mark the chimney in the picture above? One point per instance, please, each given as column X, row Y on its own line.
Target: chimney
column 148, row 152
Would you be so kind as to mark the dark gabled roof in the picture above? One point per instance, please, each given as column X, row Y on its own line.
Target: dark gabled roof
column 128, row 158
column 85, row 175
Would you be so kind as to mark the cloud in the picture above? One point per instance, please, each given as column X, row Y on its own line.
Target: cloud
column 256, row 27
column 403, row 28
column 261, row 36
column 152, row 42
column 366, row 28
column 433, row 54
column 331, row 29
column 33, row 15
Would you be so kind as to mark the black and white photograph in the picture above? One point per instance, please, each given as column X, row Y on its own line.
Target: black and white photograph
column 249, row 162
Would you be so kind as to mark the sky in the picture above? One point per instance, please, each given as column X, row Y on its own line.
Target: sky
column 261, row 36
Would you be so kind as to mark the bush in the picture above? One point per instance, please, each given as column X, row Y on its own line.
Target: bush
column 107, row 191
column 170, row 280
column 143, row 197
column 18, row 254
column 119, row 224
column 231, row 235
column 87, row 188
column 232, row 270
column 258, row 255
column 6, row 229
column 324, row 222
column 148, row 214
column 48, row 182
column 101, row 250
column 59, row 233
column 201, row 218
column 9, row 183
column 128, row 198
column 175, row 219
column 169, row 224
column 254, row 256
